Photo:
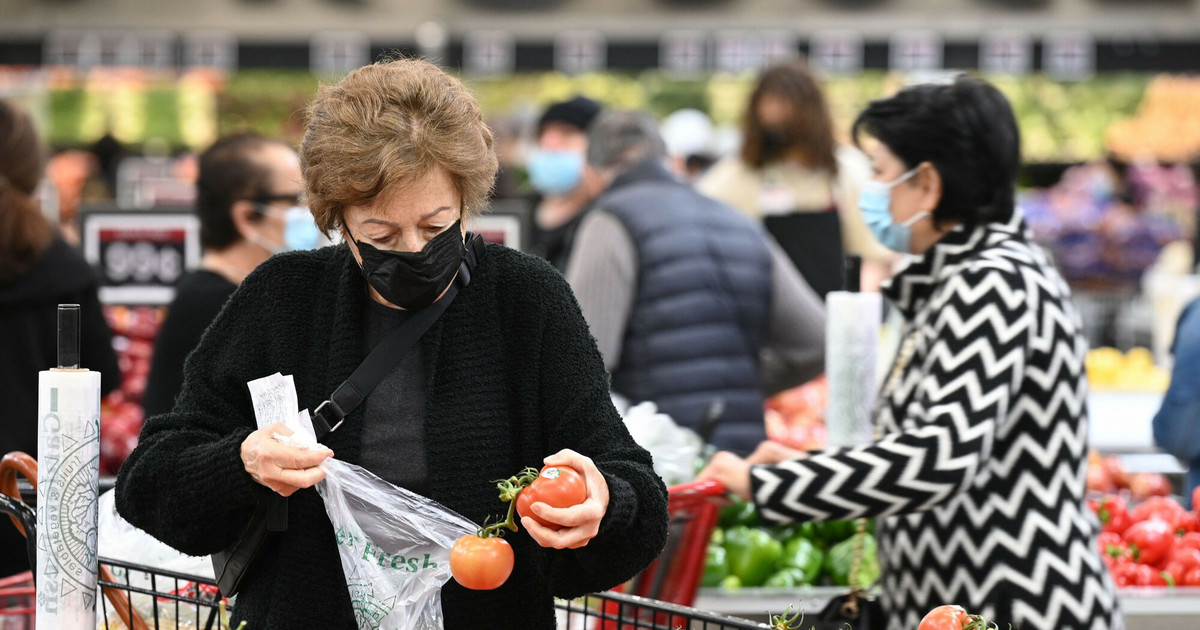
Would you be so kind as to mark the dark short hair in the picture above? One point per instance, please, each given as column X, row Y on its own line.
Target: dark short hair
column 811, row 127
column 230, row 171
column 967, row 131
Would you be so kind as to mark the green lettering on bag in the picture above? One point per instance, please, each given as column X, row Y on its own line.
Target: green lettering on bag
column 367, row 555
column 398, row 562
column 412, row 565
column 429, row 564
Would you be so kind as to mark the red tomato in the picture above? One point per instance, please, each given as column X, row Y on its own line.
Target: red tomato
column 1161, row 508
column 1189, row 522
column 1187, row 556
column 1191, row 578
column 1149, row 485
column 1112, row 512
column 1147, row 575
column 944, row 618
column 1124, row 573
column 481, row 564
column 1190, row 539
column 1196, row 500
column 1176, row 571
column 556, row 486
column 1150, row 541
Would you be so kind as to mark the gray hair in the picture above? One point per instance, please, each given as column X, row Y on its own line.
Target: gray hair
column 619, row 139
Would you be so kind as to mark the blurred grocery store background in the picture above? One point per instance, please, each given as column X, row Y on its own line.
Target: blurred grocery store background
column 126, row 92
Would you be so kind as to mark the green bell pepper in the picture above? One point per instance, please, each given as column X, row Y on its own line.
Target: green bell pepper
column 751, row 554
column 715, row 566
column 833, row 532
column 731, row 583
column 840, row 560
column 787, row 577
column 740, row 513
column 802, row 554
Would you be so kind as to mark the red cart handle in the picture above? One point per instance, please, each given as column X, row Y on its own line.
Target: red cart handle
column 706, row 488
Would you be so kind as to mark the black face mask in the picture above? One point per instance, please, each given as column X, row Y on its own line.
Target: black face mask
column 413, row 280
column 775, row 142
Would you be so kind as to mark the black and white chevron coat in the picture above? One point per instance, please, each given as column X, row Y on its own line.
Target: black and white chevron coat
column 979, row 479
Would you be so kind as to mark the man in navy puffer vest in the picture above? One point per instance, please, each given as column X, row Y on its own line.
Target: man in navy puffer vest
column 690, row 302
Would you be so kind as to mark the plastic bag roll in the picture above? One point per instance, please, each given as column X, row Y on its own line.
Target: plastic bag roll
column 851, row 346
column 68, row 484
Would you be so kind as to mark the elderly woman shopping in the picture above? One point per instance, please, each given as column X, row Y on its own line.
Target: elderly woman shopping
column 397, row 158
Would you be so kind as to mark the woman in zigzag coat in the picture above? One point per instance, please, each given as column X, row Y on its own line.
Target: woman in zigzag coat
column 978, row 478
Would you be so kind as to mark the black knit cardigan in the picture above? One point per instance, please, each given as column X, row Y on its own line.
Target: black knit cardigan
column 514, row 376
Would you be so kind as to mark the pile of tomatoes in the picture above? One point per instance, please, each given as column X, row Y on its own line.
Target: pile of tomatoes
column 1155, row 543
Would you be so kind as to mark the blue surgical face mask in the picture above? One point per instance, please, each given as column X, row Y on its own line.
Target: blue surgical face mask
column 875, row 200
column 555, row 173
column 300, row 230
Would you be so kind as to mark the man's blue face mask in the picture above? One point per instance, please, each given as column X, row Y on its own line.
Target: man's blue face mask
column 875, row 201
column 555, row 173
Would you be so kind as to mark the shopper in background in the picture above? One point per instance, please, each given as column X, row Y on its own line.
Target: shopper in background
column 397, row 157
column 38, row 271
column 978, row 479
column 248, row 199
column 683, row 294
column 556, row 172
column 1177, row 423
column 793, row 176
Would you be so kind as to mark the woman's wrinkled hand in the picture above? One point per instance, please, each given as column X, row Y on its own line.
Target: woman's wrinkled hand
column 580, row 523
column 731, row 470
column 282, row 468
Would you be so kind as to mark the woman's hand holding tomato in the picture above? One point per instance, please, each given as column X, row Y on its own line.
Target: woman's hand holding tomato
column 555, row 486
column 577, row 524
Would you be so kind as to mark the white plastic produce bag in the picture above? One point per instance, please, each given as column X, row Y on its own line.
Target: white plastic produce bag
column 394, row 544
column 674, row 448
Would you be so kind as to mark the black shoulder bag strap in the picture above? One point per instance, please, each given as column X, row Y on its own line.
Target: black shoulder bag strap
column 230, row 565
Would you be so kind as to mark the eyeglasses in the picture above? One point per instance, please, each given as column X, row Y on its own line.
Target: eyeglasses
column 293, row 199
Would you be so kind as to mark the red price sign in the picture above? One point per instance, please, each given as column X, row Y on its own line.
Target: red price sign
column 141, row 255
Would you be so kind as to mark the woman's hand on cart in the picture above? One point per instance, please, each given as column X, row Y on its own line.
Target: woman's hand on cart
column 580, row 523
column 734, row 472
column 280, row 467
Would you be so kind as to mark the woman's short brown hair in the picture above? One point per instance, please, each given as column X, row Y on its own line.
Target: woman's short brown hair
column 389, row 123
column 811, row 128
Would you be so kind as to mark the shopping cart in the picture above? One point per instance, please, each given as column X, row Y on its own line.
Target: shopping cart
column 138, row 597
column 675, row 576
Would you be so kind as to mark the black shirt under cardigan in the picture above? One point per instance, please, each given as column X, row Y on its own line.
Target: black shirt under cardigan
column 513, row 376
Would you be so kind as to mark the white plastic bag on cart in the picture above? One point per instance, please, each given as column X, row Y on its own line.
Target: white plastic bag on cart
column 674, row 448
column 394, row 544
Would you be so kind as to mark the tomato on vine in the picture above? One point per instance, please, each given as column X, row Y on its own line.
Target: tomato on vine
column 556, row 486
column 480, row 562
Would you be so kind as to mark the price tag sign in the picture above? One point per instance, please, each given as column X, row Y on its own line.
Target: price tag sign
column 914, row 51
column 577, row 52
column 489, row 53
column 1069, row 55
column 837, row 51
column 141, row 255
column 1006, row 52
column 684, row 52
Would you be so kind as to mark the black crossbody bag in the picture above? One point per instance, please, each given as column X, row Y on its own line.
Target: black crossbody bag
column 231, row 565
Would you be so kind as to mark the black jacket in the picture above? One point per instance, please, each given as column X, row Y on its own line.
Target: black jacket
column 515, row 376
column 29, row 344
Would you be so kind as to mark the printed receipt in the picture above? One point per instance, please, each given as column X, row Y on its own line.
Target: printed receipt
column 274, row 398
